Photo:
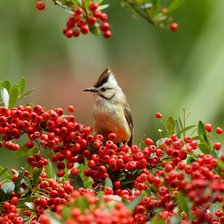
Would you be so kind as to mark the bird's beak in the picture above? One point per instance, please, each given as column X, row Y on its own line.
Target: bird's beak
column 91, row 89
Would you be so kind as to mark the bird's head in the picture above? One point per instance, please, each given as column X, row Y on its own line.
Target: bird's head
column 106, row 87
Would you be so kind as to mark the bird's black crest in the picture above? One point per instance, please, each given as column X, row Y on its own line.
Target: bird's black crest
column 103, row 78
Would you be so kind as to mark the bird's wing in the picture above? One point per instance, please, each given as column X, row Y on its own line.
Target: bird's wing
column 128, row 117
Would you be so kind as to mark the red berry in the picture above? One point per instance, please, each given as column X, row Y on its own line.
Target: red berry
column 188, row 139
column 117, row 184
column 112, row 137
column 74, row 171
column 168, row 167
column 108, row 190
column 174, row 27
column 14, row 200
column 75, row 34
column 59, row 111
column 107, row 34
column 158, row 115
column 70, row 107
column 217, row 145
column 92, row 20
column 156, row 180
column 208, row 127
column 218, row 212
column 18, row 220
column 69, row 33
column 40, row 5
column 105, row 26
column 218, row 130
column 93, row 6
column 103, row 17
column 149, row 141
column 84, row 29
column 29, row 144
column 78, row 11
column 60, row 173
column 163, row 190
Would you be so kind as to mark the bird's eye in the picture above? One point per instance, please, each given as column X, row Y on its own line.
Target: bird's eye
column 103, row 89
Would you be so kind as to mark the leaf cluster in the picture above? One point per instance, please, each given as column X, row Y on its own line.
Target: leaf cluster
column 10, row 94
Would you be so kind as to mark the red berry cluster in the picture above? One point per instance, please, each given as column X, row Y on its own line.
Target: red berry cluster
column 51, row 194
column 56, row 194
column 83, row 20
column 105, row 211
column 208, row 127
column 173, row 177
column 48, row 129
column 37, row 160
column 164, row 170
column 9, row 212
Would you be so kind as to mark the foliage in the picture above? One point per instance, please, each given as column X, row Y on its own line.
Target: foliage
column 86, row 16
column 73, row 176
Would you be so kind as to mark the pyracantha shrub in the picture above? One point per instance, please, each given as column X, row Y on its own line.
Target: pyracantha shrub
column 72, row 175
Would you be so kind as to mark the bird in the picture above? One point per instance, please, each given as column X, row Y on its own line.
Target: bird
column 111, row 111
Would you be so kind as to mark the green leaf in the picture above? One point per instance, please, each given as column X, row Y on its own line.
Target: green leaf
column 4, row 173
column 33, row 151
column 157, row 220
column 187, row 128
column 95, row 30
column 170, row 125
column 205, row 148
column 132, row 205
column 202, row 132
column 13, row 96
column 53, row 219
column 175, row 220
column 183, row 204
column 29, row 205
column 102, row 7
column 221, row 164
column 5, row 84
column 178, row 129
column 214, row 154
column 5, row 96
column 19, row 180
column 8, row 187
column 190, row 160
column 50, row 170
column 91, row 149
column 21, row 85
column 5, row 88
column 23, row 151
column 115, row 198
column 174, row 5
column 25, row 94
column 82, row 203
column 36, row 174
column 76, row 181
column 181, row 124
column 3, row 195
column 108, row 183
column 28, row 183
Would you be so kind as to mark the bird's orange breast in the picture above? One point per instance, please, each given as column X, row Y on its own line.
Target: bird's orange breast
column 116, row 123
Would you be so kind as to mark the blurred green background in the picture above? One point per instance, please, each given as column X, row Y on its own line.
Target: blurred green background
column 158, row 70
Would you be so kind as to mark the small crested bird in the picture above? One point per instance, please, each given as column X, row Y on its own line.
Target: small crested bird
column 111, row 111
